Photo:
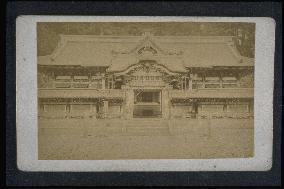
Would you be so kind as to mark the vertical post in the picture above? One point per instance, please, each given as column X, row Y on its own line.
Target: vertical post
column 90, row 113
column 93, row 110
column 129, row 104
column 238, row 76
column 72, row 81
column 89, row 79
column 252, row 107
column 193, row 112
column 203, row 79
column 113, row 84
column 53, row 79
column 190, row 82
column 105, row 108
column 165, row 103
column 220, row 80
column 225, row 108
column 66, row 111
column 193, row 77
column 103, row 82
column 160, row 100
column 238, row 82
column 199, row 110
column 109, row 82
column 184, row 83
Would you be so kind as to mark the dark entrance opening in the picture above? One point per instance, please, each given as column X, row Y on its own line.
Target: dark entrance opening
column 147, row 113
column 147, row 103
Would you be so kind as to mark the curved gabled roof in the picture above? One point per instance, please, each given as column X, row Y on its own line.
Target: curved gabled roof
column 118, row 52
column 121, row 64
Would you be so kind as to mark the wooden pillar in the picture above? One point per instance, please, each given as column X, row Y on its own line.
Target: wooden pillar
column 225, row 108
column 68, row 108
column 53, row 79
column 89, row 79
column 194, row 77
column 103, row 82
column 184, row 83
column 220, row 79
column 165, row 103
column 160, row 99
column 251, row 106
column 113, row 82
column 105, row 108
column 94, row 110
column 190, row 82
column 129, row 104
column 203, row 79
column 238, row 76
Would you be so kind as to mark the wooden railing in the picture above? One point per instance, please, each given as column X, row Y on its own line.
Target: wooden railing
column 216, row 84
column 80, row 93
column 213, row 93
column 75, row 84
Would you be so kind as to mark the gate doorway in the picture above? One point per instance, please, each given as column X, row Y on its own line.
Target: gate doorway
column 147, row 103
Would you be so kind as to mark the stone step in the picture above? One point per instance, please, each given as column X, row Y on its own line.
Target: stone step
column 141, row 125
column 146, row 130
column 146, row 122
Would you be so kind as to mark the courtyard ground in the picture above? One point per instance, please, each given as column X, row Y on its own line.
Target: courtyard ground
column 91, row 139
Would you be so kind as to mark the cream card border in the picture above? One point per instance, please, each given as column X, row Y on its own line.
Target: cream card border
column 26, row 102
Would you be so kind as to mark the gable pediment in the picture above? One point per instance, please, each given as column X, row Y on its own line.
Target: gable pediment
column 148, row 50
column 147, row 46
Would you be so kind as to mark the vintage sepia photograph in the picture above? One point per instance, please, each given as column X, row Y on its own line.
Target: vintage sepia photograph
column 169, row 99
column 145, row 90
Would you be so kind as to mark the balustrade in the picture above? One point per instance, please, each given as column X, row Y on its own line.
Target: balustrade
column 213, row 93
column 81, row 93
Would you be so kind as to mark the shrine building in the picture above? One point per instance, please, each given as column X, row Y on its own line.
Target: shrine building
column 128, row 77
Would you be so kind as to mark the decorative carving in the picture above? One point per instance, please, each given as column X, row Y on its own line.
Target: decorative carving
column 147, row 49
column 151, row 74
column 147, row 46
column 146, row 68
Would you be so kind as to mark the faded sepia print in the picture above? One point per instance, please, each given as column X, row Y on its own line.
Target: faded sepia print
column 145, row 90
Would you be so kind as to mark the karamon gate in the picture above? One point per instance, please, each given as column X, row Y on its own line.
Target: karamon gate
column 147, row 89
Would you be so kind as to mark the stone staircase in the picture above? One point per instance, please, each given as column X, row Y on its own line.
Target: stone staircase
column 147, row 127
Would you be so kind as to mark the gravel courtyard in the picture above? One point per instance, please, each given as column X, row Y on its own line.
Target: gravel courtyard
column 90, row 139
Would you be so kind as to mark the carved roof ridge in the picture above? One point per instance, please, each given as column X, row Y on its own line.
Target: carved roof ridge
column 149, row 38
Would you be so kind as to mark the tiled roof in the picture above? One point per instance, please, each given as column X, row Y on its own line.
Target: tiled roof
column 120, row 52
